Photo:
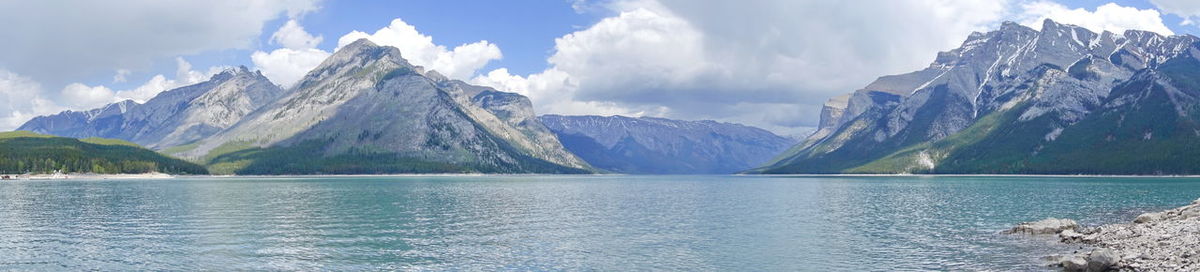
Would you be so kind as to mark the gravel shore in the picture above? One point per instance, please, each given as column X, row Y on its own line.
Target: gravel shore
column 1159, row 241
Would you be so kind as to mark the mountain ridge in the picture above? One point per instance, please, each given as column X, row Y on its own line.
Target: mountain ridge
column 1047, row 80
column 365, row 102
column 365, row 109
column 650, row 145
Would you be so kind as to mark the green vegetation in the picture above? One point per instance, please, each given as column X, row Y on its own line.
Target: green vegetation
column 105, row 141
column 180, row 148
column 1149, row 126
column 27, row 152
column 308, row 158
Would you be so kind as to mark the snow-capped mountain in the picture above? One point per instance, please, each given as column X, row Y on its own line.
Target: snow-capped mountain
column 174, row 117
column 648, row 145
column 1014, row 100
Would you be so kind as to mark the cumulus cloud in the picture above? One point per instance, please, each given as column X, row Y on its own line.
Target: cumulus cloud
column 460, row 63
column 121, row 75
column 1110, row 17
column 79, row 96
column 553, row 91
column 285, row 66
column 22, row 100
column 1188, row 9
column 63, row 40
column 292, row 35
column 766, row 63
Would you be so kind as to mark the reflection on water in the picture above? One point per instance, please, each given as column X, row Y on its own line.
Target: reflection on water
column 556, row 222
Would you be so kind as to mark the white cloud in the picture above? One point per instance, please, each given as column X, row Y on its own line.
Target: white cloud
column 25, row 98
column 1110, row 17
column 285, row 66
column 553, row 91
column 760, row 62
column 1188, row 9
column 769, row 63
column 79, row 96
column 460, row 63
column 121, row 75
column 292, row 35
column 22, row 100
column 56, row 42
column 592, row 70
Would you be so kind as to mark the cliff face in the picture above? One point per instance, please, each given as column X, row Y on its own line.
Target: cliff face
column 367, row 110
column 1017, row 100
column 174, row 117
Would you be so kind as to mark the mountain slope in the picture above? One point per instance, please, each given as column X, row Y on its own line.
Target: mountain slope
column 367, row 110
column 1015, row 100
column 662, row 146
column 27, row 152
column 172, row 118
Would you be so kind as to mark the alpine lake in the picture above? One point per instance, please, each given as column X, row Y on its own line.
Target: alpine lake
column 558, row 222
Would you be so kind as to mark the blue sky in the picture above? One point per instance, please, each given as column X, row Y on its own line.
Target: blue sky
column 524, row 29
column 769, row 63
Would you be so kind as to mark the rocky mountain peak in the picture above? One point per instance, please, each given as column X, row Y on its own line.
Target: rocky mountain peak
column 232, row 72
column 1039, row 93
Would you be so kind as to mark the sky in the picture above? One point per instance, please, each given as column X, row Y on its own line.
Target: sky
column 766, row 63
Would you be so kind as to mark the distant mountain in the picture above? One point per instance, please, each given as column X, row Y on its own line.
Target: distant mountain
column 662, row 146
column 1062, row 100
column 27, row 152
column 174, row 117
column 366, row 109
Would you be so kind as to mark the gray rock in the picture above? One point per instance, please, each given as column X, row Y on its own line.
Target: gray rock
column 367, row 99
column 1061, row 74
column 1074, row 263
column 1070, row 235
column 1167, row 244
column 174, row 117
column 1102, row 260
column 1147, row 218
column 1045, row 226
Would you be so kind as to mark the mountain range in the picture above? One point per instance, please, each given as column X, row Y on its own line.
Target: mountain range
column 365, row 109
column 1059, row 100
column 648, row 145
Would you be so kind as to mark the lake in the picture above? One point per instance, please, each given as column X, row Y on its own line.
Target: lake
column 607, row 223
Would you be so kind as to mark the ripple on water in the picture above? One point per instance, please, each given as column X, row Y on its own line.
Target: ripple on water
column 556, row 222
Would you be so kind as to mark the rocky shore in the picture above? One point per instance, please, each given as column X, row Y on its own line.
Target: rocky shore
column 1159, row 241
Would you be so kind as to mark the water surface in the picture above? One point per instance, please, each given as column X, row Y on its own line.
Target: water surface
column 610, row 223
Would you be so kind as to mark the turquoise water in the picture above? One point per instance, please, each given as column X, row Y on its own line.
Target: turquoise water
column 608, row 223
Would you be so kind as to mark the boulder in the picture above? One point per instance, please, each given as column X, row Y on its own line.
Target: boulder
column 1074, row 263
column 1070, row 235
column 1147, row 218
column 1102, row 260
column 1045, row 226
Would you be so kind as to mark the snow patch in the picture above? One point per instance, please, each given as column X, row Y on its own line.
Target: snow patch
column 1053, row 134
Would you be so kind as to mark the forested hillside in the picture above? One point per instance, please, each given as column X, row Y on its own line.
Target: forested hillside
column 27, row 152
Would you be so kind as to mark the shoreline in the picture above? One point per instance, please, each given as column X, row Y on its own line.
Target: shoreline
column 972, row 175
column 156, row 175
column 1155, row 241
column 86, row 176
